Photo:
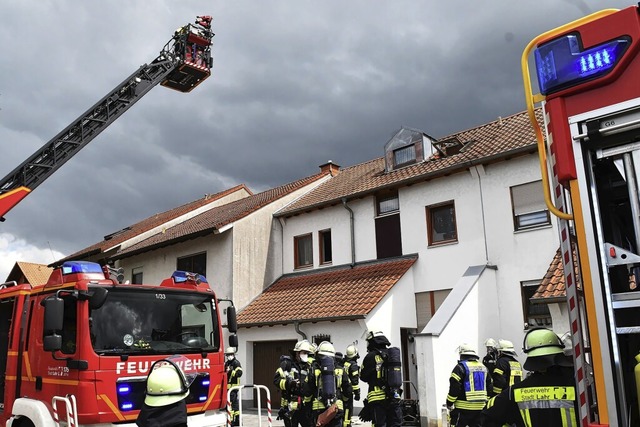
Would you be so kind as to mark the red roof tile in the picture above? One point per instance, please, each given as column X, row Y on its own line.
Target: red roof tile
column 553, row 286
column 319, row 294
column 28, row 272
column 503, row 138
column 147, row 224
column 215, row 218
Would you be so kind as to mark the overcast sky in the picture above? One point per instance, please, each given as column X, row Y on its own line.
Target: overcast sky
column 294, row 84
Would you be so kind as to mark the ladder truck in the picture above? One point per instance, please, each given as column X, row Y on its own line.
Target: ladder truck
column 588, row 81
column 183, row 63
column 77, row 350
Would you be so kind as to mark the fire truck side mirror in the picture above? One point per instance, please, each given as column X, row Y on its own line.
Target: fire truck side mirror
column 233, row 341
column 97, row 298
column 53, row 317
column 232, row 321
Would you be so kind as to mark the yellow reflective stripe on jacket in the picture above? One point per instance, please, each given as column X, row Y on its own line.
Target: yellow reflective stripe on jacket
column 560, row 398
column 516, row 371
column 376, row 393
column 470, row 405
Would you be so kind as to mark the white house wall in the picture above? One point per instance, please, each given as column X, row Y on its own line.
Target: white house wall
column 159, row 264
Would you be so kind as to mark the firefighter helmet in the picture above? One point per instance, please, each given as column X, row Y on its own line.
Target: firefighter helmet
column 303, row 346
column 542, row 342
column 166, row 384
column 326, row 349
column 373, row 334
column 314, row 348
column 544, row 349
column 490, row 342
column 352, row 351
column 467, row 350
column 230, row 351
column 506, row 346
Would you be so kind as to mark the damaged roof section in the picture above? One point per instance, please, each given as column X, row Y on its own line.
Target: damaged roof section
column 319, row 295
column 505, row 138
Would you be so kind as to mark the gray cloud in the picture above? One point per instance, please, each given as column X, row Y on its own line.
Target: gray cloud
column 294, row 84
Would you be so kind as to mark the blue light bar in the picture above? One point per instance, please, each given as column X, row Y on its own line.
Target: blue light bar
column 124, row 389
column 202, row 398
column 206, row 382
column 126, row 406
column 562, row 63
column 184, row 276
column 74, row 267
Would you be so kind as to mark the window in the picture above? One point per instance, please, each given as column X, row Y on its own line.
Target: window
column 136, row 276
column 441, row 223
column 387, row 203
column 535, row 314
column 404, row 156
column 324, row 237
column 529, row 208
column 303, row 251
column 194, row 263
column 388, row 238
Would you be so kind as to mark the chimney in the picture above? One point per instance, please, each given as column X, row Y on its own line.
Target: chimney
column 330, row 168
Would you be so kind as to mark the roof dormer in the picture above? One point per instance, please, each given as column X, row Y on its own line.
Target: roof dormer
column 406, row 147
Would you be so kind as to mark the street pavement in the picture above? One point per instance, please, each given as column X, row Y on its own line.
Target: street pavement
column 250, row 418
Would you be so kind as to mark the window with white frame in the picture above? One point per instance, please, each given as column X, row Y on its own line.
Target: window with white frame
column 303, row 248
column 529, row 208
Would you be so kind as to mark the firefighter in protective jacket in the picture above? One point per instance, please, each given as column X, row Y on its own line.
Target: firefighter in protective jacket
column 547, row 397
column 234, row 372
column 468, row 387
column 329, row 385
column 382, row 402
column 353, row 372
column 508, row 370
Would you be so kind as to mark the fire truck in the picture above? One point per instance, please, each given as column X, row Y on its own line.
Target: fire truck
column 182, row 64
column 76, row 351
column 588, row 88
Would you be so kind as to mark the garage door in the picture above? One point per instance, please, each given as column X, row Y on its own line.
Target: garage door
column 266, row 360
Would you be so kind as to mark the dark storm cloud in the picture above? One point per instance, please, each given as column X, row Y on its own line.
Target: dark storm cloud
column 294, row 84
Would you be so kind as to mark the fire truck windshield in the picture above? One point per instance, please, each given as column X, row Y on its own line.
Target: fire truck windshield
column 150, row 321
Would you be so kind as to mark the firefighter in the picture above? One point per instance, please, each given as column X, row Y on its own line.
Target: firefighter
column 508, row 370
column 353, row 372
column 384, row 406
column 547, row 397
column 303, row 360
column 329, row 385
column 234, row 372
column 166, row 390
column 490, row 359
column 468, row 387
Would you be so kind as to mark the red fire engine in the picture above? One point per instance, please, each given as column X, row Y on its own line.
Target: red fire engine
column 77, row 350
column 183, row 63
column 588, row 76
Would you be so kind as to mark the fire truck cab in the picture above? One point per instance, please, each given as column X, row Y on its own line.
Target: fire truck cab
column 78, row 349
column 588, row 74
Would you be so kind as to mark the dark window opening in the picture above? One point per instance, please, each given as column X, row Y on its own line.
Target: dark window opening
column 194, row 263
column 535, row 314
column 441, row 223
column 136, row 276
column 326, row 256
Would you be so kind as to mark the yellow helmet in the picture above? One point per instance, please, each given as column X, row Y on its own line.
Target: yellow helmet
column 166, row 384
column 303, row 345
column 506, row 346
column 542, row 342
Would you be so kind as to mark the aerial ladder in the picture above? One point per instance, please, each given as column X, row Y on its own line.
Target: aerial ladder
column 183, row 63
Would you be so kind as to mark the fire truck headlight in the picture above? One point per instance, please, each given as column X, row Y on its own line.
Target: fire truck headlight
column 562, row 63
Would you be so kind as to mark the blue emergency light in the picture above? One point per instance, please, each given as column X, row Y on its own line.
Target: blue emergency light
column 180, row 276
column 81, row 267
column 562, row 63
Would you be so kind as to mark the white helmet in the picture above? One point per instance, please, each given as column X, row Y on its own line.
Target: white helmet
column 326, row 349
column 490, row 342
column 303, row 345
column 466, row 349
column 230, row 350
column 506, row 346
column 352, row 351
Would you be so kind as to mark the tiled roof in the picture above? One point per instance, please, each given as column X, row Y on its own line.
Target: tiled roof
column 503, row 138
column 215, row 218
column 336, row 293
column 35, row 274
column 552, row 287
column 153, row 221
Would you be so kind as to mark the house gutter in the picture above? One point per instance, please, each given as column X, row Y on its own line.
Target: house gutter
column 351, row 228
column 296, row 326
